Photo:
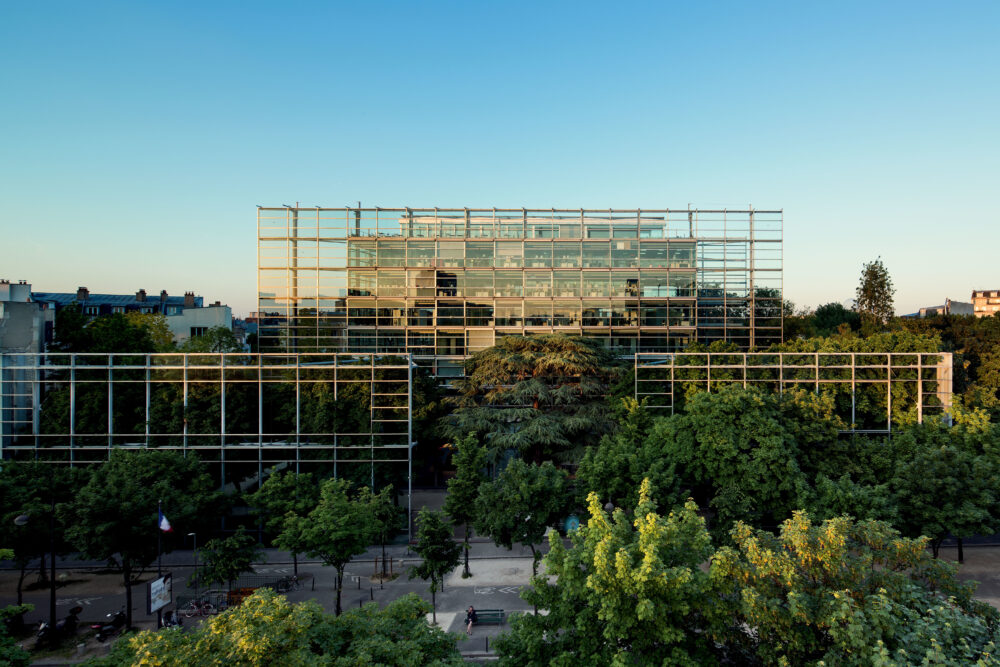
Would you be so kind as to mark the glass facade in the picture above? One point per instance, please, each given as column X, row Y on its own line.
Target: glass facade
column 442, row 284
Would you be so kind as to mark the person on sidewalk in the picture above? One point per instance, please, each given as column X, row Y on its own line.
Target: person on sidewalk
column 470, row 619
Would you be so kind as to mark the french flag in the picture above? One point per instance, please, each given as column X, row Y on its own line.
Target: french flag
column 164, row 524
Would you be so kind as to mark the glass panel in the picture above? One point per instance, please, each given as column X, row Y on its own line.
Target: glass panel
column 451, row 343
column 508, row 314
column 420, row 253
column 682, row 255
column 566, row 283
column 596, row 255
column 450, row 283
column 681, row 315
column 596, row 314
column 478, row 314
column 681, row 284
column 566, row 255
column 624, row 314
column 512, row 230
column 624, row 254
column 391, row 313
column 361, row 313
column 421, row 283
column 541, row 230
column 569, row 231
column 566, row 314
column 361, row 253
column 421, row 342
column 538, row 283
column 509, row 254
column 508, row 283
column 653, row 255
column 478, row 253
column 391, row 283
column 654, row 283
column 361, row 283
column 596, row 284
column 537, row 255
column 391, row 253
column 654, row 314
column 421, row 314
column 478, row 283
column 451, row 253
column 450, row 314
column 537, row 313
column 624, row 283
column 629, row 231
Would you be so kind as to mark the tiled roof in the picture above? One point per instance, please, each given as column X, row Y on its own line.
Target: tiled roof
column 66, row 298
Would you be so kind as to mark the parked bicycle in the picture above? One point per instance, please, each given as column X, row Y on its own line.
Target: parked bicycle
column 198, row 608
column 287, row 584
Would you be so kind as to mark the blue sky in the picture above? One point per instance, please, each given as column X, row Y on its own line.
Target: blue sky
column 137, row 137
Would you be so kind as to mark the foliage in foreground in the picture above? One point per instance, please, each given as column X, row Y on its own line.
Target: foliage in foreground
column 841, row 592
column 268, row 630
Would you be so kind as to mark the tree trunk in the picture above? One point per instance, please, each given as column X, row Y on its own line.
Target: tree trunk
column 534, row 561
column 20, row 585
column 935, row 545
column 383, row 558
column 467, row 574
column 127, row 577
column 961, row 552
column 43, row 574
column 295, row 563
column 434, row 608
column 340, row 583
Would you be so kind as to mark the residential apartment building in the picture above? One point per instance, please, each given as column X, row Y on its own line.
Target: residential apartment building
column 443, row 283
column 985, row 303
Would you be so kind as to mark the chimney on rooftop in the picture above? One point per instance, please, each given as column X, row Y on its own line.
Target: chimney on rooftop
column 82, row 293
column 189, row 299
column 163, row 296
column 217, row 304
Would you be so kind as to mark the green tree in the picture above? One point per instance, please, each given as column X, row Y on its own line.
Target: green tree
column 216, row 339
column 520, row 504
column 846, row 592
column 336, row 530
column 945, row 481
column 155, row 325
column 627, row 592
column 11, row 652
column 873, row 299
column 438, row 552
column 541, row 395
column 281, row 493
column 387, row 517
column 827, row 319
column 470, row 459
column 225, row 559
column 616, row 467
column 114, row 518
column 267, row 630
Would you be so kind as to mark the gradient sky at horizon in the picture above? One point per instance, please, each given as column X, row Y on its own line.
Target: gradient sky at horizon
column 139, row 136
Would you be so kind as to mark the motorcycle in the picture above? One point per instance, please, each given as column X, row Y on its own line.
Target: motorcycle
column 64, row 628
column 107, row 630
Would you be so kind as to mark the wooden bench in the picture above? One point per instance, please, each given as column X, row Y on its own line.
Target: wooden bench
column 497, row 616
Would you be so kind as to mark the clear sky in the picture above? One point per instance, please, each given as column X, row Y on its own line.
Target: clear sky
column 136, row 137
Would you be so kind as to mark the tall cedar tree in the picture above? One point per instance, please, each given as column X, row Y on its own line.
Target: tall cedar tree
column 543, row 396
column 336, row 530
column 113, row 518
column 438, row 551
column 225, row 559
column 469, row 459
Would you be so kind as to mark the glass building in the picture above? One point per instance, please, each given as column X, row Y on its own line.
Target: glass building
column 443, row 283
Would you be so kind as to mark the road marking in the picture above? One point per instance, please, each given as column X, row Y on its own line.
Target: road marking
column 510, row 590
column 490, row 590
column 79, row 602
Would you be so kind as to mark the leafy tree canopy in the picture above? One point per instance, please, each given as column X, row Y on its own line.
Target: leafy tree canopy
column 267, row 630
column 873, row 299
column 225, row 559
column 216, row 339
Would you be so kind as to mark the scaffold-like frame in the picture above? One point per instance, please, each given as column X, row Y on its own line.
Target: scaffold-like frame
column 913, row 384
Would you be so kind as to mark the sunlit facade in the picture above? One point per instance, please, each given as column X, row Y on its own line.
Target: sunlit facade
column 443, row 283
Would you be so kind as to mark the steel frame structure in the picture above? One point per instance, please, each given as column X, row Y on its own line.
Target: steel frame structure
column 441, row 283
column 136, row 384
column 923, row 380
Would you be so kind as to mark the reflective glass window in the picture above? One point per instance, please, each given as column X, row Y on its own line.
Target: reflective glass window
column 566, row 255
column 479, row 254
column 361, row 253
column 508, row 283
column 420, row 253
column 478, row 283
column 596, row 284
column 538, row 283
column 537, row 255
column 624, row 254
column 537, row 313
column 509, row 254
column 596, row 254
column 566, row 283
column 507, row 314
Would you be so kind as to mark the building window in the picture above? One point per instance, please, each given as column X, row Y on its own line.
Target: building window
column 198, row 331
column 91, row 310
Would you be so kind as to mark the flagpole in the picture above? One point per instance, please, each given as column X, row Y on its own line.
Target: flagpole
column 159, row 556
